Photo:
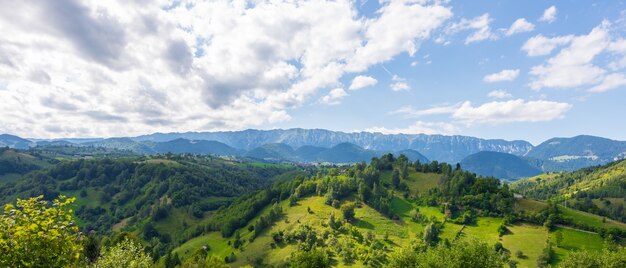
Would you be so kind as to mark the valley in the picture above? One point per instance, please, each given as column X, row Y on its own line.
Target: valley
column 183, row 208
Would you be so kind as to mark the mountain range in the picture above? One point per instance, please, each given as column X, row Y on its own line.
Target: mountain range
column 490, row 157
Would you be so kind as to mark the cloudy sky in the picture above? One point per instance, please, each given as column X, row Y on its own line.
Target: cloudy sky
column 499, row 69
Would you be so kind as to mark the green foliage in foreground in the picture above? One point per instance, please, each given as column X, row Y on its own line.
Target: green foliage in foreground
column 125, row 254
column 608, row 258
column 470, row 253
column 38, row 233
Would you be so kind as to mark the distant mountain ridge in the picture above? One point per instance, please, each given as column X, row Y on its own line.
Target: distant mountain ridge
column 437, row 147
column 583, row 148
column 309, row 145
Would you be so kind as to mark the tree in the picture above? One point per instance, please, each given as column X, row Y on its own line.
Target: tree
column 171, row 260
column 315, row 258
column 415, row 215
column 38, row 233
column 237, row 242
column 606, row 258
column 395, row 178
column 347, row 210
column 431, row 234
column 124, row 254
column 91, row 247
column 462, row 253
column 208, row 262
column 332, row 222
column 559, row 238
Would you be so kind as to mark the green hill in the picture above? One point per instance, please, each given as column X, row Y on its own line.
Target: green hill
column 272, row 215
column 166, row 197
column 599, row 190
column 14, row 163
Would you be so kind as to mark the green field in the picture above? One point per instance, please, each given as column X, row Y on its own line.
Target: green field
column 485, row 229
column 400, row 231
column 421, row 182
column 529, row 239
column 528, row 205
column 574, row 240
column 580, row 217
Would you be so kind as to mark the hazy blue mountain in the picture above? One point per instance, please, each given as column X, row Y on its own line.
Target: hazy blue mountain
column 500, row 165
column 53, row 142
column 178, row 146
column 577, row 152
column 313, row 145
column 12, row 141
column 123, row 144
column 308, row 153
column 345, row 153
column 436, row 147
column 413, row 155
column 340, row 153
column 275, row 151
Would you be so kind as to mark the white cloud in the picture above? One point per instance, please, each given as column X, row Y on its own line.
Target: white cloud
column 334, row 97
column 499, row 94
column 497, row 112
column 572, row 66
column 549, row 15
column 409, row 111
column 480, row 25
column 520, row 26
column 398, row 28
column 511, row 111
column 609, row 82
column 420, row 127
column 504, row 75
column 399, row 86
column 205, row 65
column 362, row 81
column 540, row 45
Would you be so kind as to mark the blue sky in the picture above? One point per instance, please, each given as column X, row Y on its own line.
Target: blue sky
column 494, row 69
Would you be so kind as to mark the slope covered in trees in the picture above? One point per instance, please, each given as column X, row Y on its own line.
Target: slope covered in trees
column 165, row 196
column 599, row 190
column 191, row 211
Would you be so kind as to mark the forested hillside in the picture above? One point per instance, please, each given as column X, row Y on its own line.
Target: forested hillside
column 146, row 192
column 15, row 163
column 599, row 190
column 197, row 211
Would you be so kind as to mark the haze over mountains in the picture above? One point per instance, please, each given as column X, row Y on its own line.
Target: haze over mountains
column 490, row 157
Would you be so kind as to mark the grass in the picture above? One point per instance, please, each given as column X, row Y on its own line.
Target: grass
column 528, row 205
column 400, row 232
column 574, row 240
column 485, row 229
column 580, row 217
column 161, row 161
column 219, row 246
column 174, row 222
column 529, row 239
column 421, row 182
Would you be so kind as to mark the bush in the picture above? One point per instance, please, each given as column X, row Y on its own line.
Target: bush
column 315, row 258
column 38, row 233
column 125, row 254
column 347, row 210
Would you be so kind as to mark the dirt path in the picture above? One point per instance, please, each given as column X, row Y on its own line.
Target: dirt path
column 572, row 228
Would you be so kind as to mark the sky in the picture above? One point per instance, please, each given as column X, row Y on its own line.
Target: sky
column 527, row 70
